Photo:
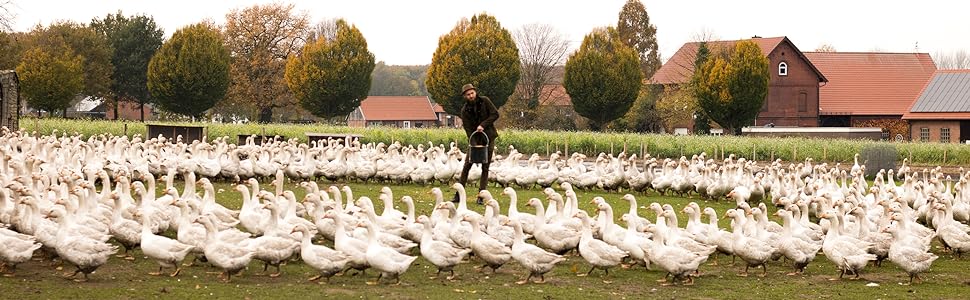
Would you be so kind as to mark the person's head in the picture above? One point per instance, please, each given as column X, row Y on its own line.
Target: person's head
column 469, row 92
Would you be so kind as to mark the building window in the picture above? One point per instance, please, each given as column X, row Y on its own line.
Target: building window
column 407, row 124
column 945, row 135
column 803, row 102
column 924, row 134
column 782, row 69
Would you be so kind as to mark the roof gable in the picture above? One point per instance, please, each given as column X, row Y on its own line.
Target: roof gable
column 397, row 108
column 680, row 67
column 946, row 94
column 870, row 83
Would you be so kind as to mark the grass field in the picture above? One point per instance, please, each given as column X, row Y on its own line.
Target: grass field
column 119, row 278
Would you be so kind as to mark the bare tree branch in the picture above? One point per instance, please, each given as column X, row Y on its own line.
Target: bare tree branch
column 7, row 15
column 958, row 59
column 541, row 50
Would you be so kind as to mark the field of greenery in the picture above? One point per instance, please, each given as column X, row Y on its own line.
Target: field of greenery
column 120, row 278
column 543, row 142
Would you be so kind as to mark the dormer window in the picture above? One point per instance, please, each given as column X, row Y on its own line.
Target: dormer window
column 782, row 69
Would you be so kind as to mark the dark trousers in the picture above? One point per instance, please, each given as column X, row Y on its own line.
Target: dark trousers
column 483, row 182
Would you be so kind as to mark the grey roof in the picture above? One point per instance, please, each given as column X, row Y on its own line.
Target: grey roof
column 947, row 91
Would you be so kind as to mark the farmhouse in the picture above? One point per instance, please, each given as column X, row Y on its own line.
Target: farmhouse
column 870, row 89
column 793, row 89
column 941, row 113
column 398, row 111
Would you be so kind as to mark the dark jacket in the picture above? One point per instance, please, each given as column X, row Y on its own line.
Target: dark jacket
column 481, row 112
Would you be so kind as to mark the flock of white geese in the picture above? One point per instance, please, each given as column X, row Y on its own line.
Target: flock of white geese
column 77, row 200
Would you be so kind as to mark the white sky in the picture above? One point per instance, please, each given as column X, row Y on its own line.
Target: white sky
column 406, row 32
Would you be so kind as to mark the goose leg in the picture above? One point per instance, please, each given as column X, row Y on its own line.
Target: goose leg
column 542, row 278
column 156, row 273
column 765, row 268
column 452, row 276
column 524, row 281
column 177, row 271
column 278, row 272
column 314, row 278
column 587, row 273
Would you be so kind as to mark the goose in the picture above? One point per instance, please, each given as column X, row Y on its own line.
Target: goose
column 719, row 237
column 537, row 261
column 412, row 230
column 125, row 231
column 325, row 260
column 754, row 252
column 84, row 253
column 443, row 255
column 552, row 236
column 493, row 223
column 391, row 238
column 387, row 260
column 678, row 262
column 639, row 221
column 635, row 243
column 17, row 248
column 491, row 251
column 847, row 253
column 167, row 252
column 913, row 260
column 798, row 250
column 274, row 249
column 354, row 248
column 597, row 253
column 453, row 229
column 462, row 207
column 524, row 218
column 230, row 257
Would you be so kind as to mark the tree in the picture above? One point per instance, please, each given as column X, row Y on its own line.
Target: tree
column 825, row 48
column 11, row 48
column 261, row 38
column 190, row 72
column 702, row 123
column 82, row 40
column 636, row 31
column 331, row 77
column 50, row 77
column 952, row 60
column 134, row 40
column 477, row 51
column 7, row 15
column 390, row 80
column 541, row 49
column 602, row 77
column 732, row 91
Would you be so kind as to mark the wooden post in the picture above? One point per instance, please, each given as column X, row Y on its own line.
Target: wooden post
column 547, row 149
column 641, row 150
column 126, row 129
column 754, row 152
column 624, row 146
column 772, row 155
column 794, row 153
column 611, row 147
column 944, row 156
column 825, row 152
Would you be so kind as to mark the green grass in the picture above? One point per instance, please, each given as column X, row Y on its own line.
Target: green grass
column 542, row 142
column 125, row 279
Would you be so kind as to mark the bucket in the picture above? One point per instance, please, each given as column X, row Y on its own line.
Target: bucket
column 478, row 152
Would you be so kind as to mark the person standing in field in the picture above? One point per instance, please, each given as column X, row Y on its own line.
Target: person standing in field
column 478, row 115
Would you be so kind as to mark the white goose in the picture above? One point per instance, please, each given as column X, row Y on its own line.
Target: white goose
column 492, row 252
column 17, row 248
column 552, row 236
column 847, row 253
column 678, row 262
column 524, row 218
column 537, row 261
column 388, row 261
column 325, row 260
column 443, row 255
column 913, row 260
column 597, row 253
column 230, row 257
column 85, row 253
column 167, row 252
column 754, row 252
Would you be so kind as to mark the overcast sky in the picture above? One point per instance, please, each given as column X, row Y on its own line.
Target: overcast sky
column 406, row 32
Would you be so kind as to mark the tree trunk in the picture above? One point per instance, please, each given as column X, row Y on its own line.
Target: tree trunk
column 117, row 103
column 266, row 115
column 141, row 110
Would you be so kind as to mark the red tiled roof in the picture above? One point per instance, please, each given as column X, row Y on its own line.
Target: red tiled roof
column 679, row 68
column 552, row 94
column 870, row 83
column 437, row 108
column 397, row 108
